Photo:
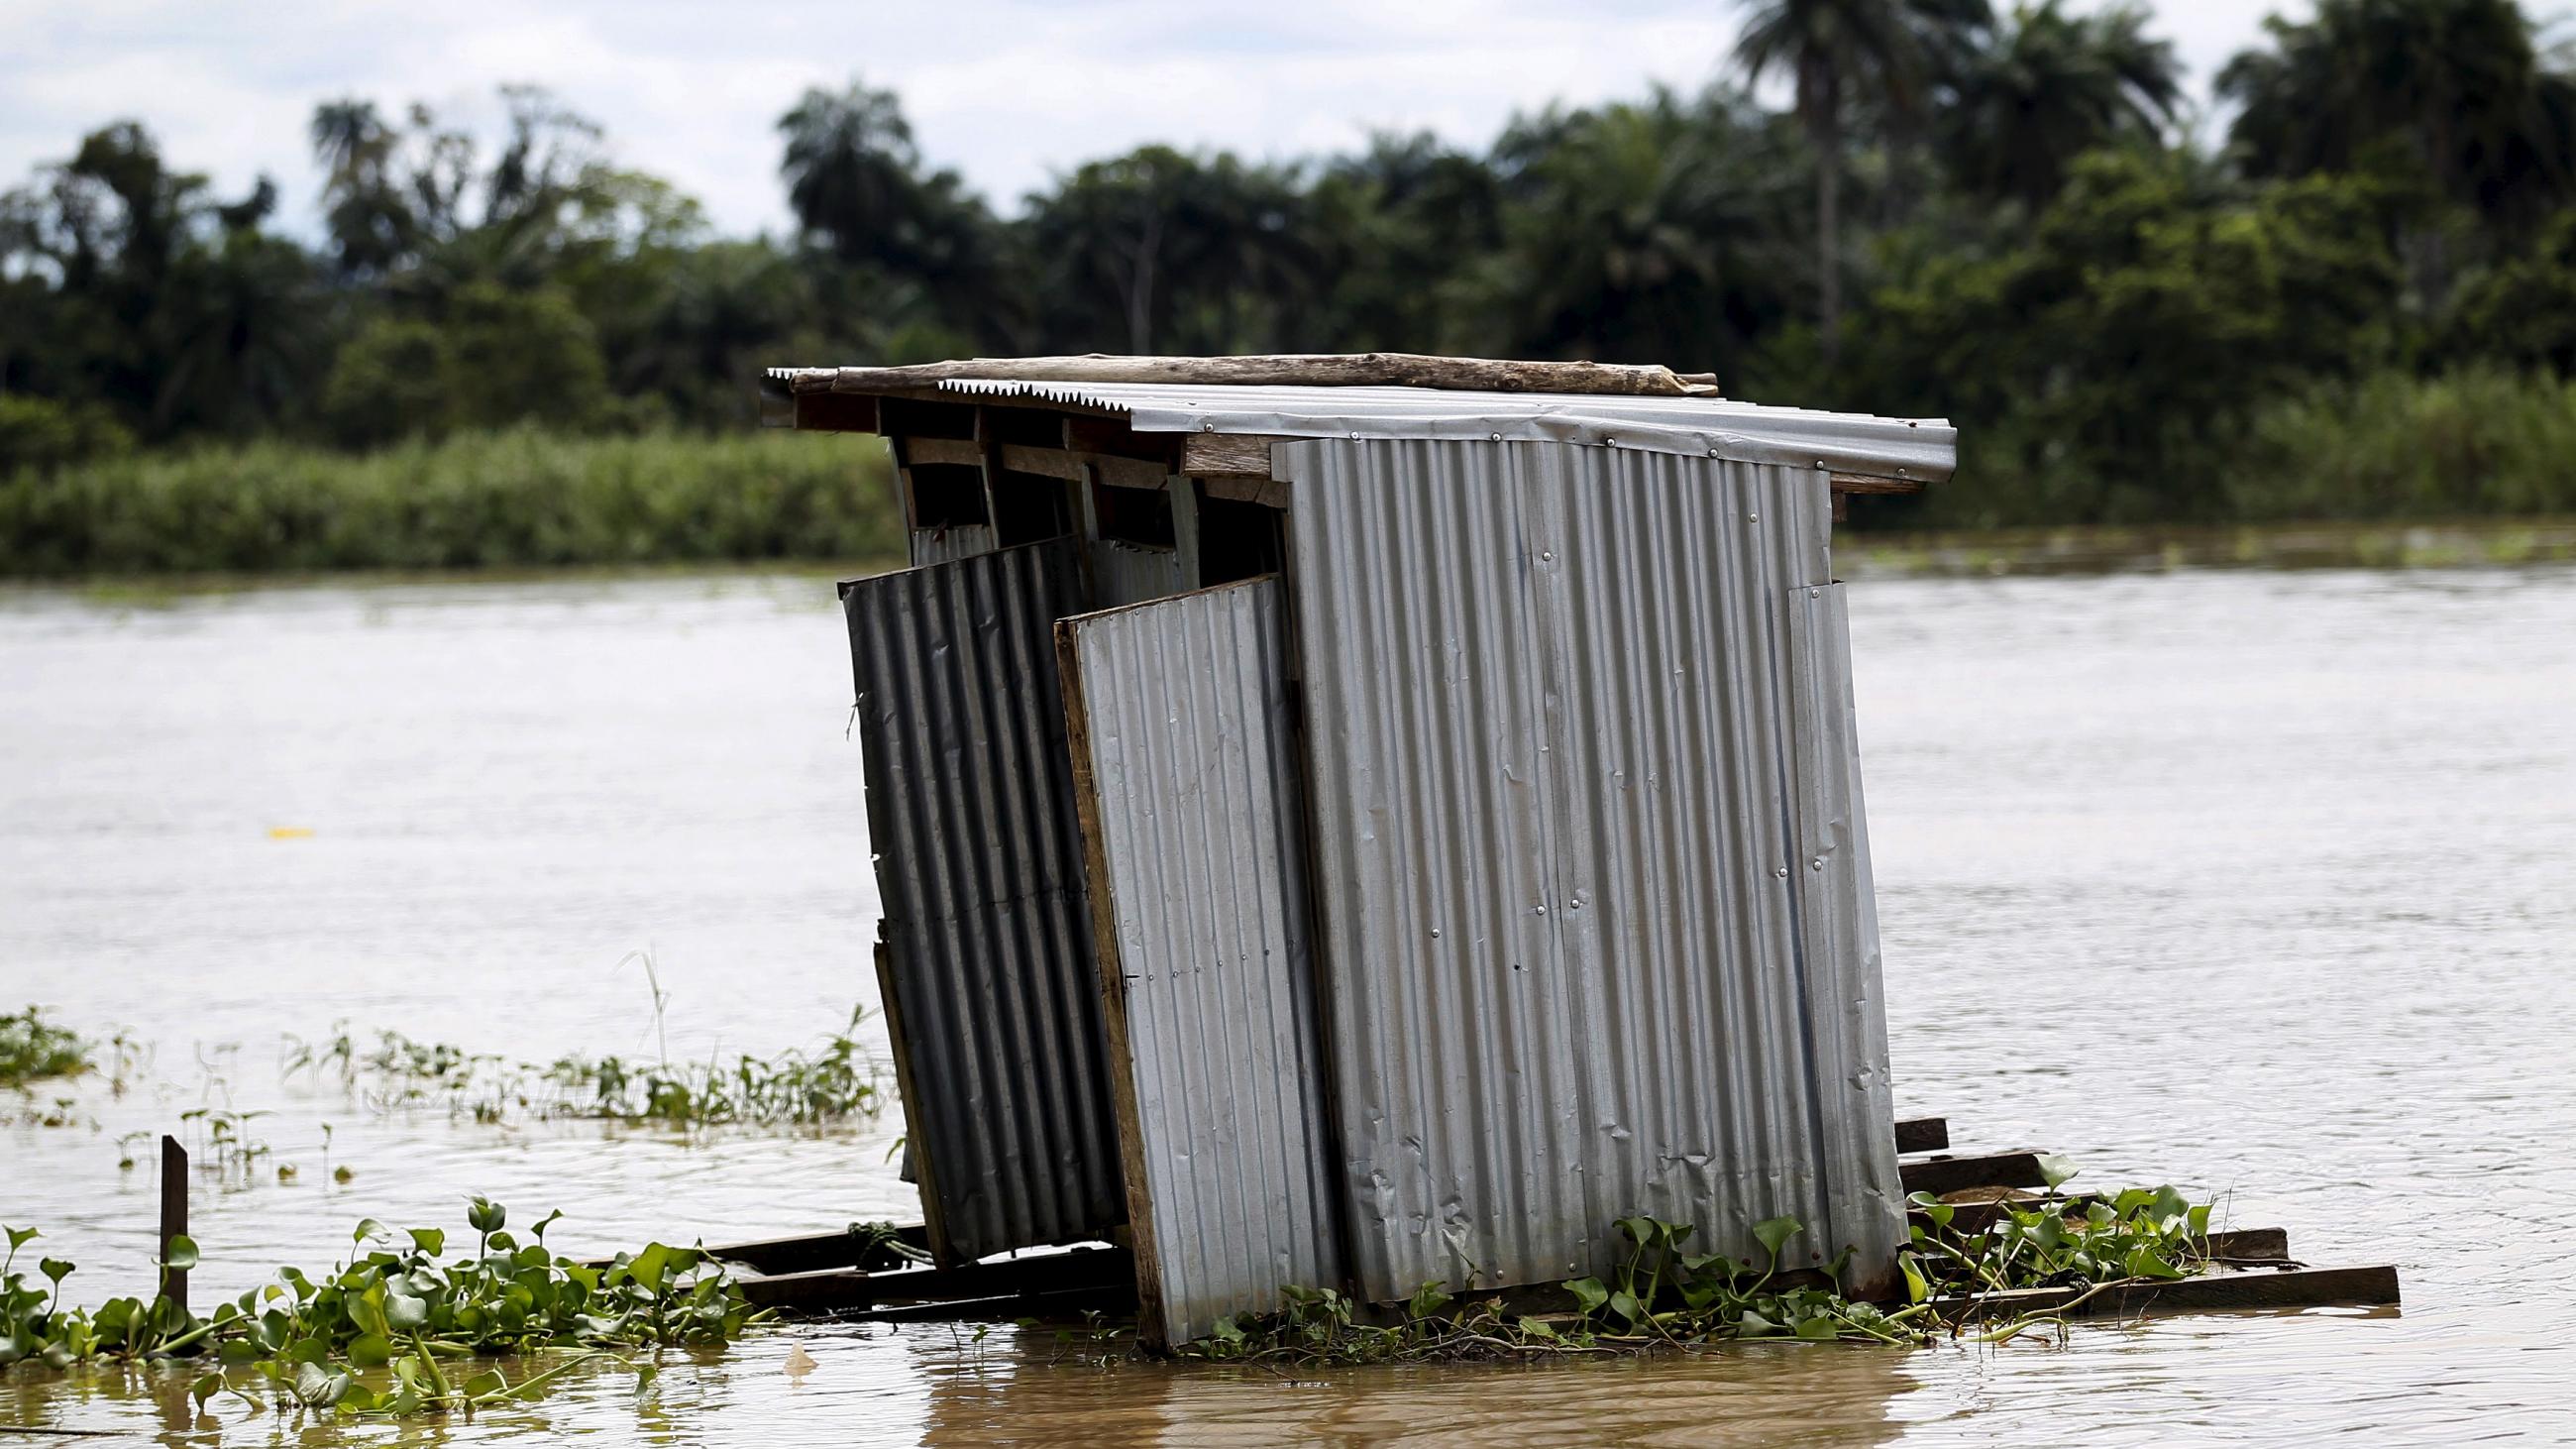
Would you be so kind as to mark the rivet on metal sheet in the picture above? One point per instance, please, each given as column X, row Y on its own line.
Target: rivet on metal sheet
column 1815, row 593
column 1496, row 437
column 1816, row 864
column 1547, row 555
column 1542, row 910
column 1208, row 427
column 1781, row 871
column 1435, row 933
column 1753, row 518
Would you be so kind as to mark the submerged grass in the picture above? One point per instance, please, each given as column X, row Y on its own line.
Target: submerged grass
column 302, row 1341
column 829, row 1083
column 520, row 498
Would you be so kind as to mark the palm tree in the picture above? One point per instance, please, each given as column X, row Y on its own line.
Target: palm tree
column 1832, row 50
column 851, row 168
column 2460, row 85
column 1647, row 232
column 371, row 224
column 1116, row 234
column 2050, row 87
column 2455, row 90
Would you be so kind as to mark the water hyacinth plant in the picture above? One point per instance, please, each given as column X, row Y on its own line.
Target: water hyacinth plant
column 1662, row 1295
column 33, row 1049
column 392, row 1330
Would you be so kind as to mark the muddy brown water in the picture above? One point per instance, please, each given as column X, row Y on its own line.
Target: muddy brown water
column 2261, row 883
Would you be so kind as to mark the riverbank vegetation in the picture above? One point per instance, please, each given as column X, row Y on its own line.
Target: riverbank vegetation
column 518, row 497
column 383, row 1332
column 2343, row 295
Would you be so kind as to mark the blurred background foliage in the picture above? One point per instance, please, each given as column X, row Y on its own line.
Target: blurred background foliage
column 2356, row 298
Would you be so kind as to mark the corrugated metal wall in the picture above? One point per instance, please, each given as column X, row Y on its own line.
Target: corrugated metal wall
column 1839, row 916
column 945, row 545
column 1567, row 975
column 979, row 864
column 1185, row 741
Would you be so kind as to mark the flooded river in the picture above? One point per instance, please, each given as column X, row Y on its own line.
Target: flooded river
column 2260, row 883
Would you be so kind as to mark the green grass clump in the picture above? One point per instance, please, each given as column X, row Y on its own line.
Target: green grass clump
column 33, row 1049
column 516, row 498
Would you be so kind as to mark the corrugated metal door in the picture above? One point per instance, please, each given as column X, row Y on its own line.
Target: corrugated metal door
column 1591, row 879
column 1185, row 761
column 987, row 967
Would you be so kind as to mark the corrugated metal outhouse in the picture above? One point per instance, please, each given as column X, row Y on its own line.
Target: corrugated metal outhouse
column 1368, row 821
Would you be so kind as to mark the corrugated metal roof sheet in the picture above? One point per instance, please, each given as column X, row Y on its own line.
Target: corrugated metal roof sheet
column 1923, row 449
column 1570, row 973
column 979, row 863
column 1185, row 736
column 1916, row 448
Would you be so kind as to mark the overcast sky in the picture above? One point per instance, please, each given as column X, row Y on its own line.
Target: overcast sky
column 1006, row 91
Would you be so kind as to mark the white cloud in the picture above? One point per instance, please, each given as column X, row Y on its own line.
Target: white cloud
column 1007, row 91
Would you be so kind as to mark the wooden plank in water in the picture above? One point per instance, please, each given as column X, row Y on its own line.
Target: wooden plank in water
column 2249, row 1245
column 1061, row 1303
column 1939, row 1175
column 847, row 1289
column 807, row 1252
column 2291, row 1288
column 1922, row 1134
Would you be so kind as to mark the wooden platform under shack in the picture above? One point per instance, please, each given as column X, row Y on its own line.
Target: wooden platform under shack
column 856, row 1273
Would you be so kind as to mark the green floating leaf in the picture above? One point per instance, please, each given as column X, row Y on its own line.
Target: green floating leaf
column 205, row 1388
column 21, row 1237
column 367, row 1228
column 432, row 1241
column 648, row 1266
column 1588, row 1293
column 1819, row 1329
column 405, row 1313
column 183, row 1253
column 2055, row 1170
column 1916, row 1289
column 1772, row 1232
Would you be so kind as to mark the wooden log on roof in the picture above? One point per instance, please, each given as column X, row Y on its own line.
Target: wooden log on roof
column 1355, row 369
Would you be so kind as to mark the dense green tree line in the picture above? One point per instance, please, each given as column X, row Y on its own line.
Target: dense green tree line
column 2006, row 217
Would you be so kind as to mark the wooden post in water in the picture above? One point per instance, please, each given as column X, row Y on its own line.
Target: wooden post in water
column 174, row 1218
